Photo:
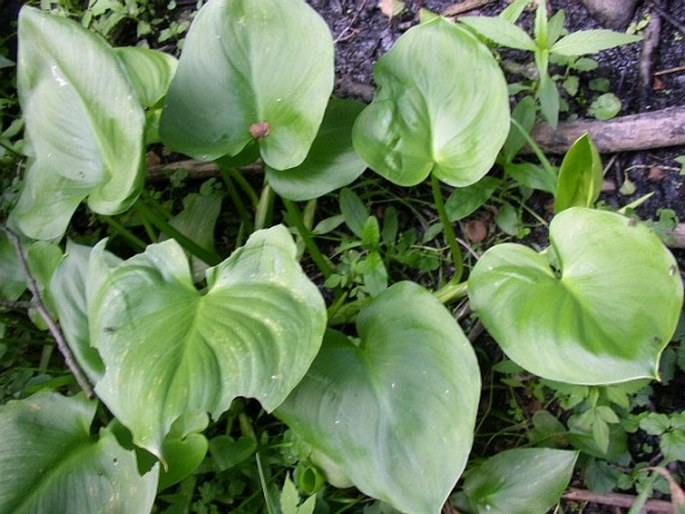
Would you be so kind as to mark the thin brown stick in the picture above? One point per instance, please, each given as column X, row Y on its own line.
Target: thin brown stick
column 39, row 305
column 648, row 57
column 352, row 23
column 618, row 500
column 670, row 19
column 677, row 69
column 464, row 6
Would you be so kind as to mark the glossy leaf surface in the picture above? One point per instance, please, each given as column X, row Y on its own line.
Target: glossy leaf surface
column 83, row 122
column 520, row 481
column 331, row 163
column 50, row 462
column 172, row 353
column 580, row 176
column 246, row 63
column 441, row 107
column 396, row 412
column 597, row 308
column 150, row 72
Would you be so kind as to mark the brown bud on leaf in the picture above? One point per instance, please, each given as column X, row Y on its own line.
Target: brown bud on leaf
column 259, row 130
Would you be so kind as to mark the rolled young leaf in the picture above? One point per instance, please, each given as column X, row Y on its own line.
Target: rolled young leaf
column 251, row 70
column 83, row 123
column 171, row 352
column 395, row 412
column 441, row 107
column 598, row 307
column 580, row 176
column 50, row 462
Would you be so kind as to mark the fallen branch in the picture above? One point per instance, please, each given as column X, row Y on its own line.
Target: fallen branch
column 618, row 500
column 655, row 129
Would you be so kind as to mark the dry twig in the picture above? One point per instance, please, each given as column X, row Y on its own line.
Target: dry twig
column 40, row 307
column 464, row 6
column 618, row 500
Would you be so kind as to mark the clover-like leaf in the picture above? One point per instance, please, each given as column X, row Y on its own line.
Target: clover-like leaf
column 331, row 163
column 171, row 352
column 83, row 123
column 251, row 70
column 396, row 411
column 598, row 307
column 441, row 106
column 50, row 462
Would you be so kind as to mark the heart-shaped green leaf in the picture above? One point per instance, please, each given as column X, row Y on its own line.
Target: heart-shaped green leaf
column 184, row 456
column 83, row 122
column 171, row 352
column 251, row 70
column 441, row 106
column 50, row 462
column 395, row 412
column 519, row 481
column 331, row 163
column 598, row 307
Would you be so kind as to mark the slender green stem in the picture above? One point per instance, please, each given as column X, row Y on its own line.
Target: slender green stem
column 237, row 200
column 647, row 488
column 306, row 235
column 262, row 481
column 244, row 185
column 448, row 231
column 10, row 149
column 451, row 291
column 265, row 207
column 149, row 229
column 188, row 244
column 347, row 312
column 150, row 199
column 119, row 229
column 534, row 146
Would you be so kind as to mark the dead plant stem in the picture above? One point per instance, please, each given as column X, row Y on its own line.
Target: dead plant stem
column 40, row 307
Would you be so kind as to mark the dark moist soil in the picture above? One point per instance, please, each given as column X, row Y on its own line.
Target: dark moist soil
column 363, row 34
